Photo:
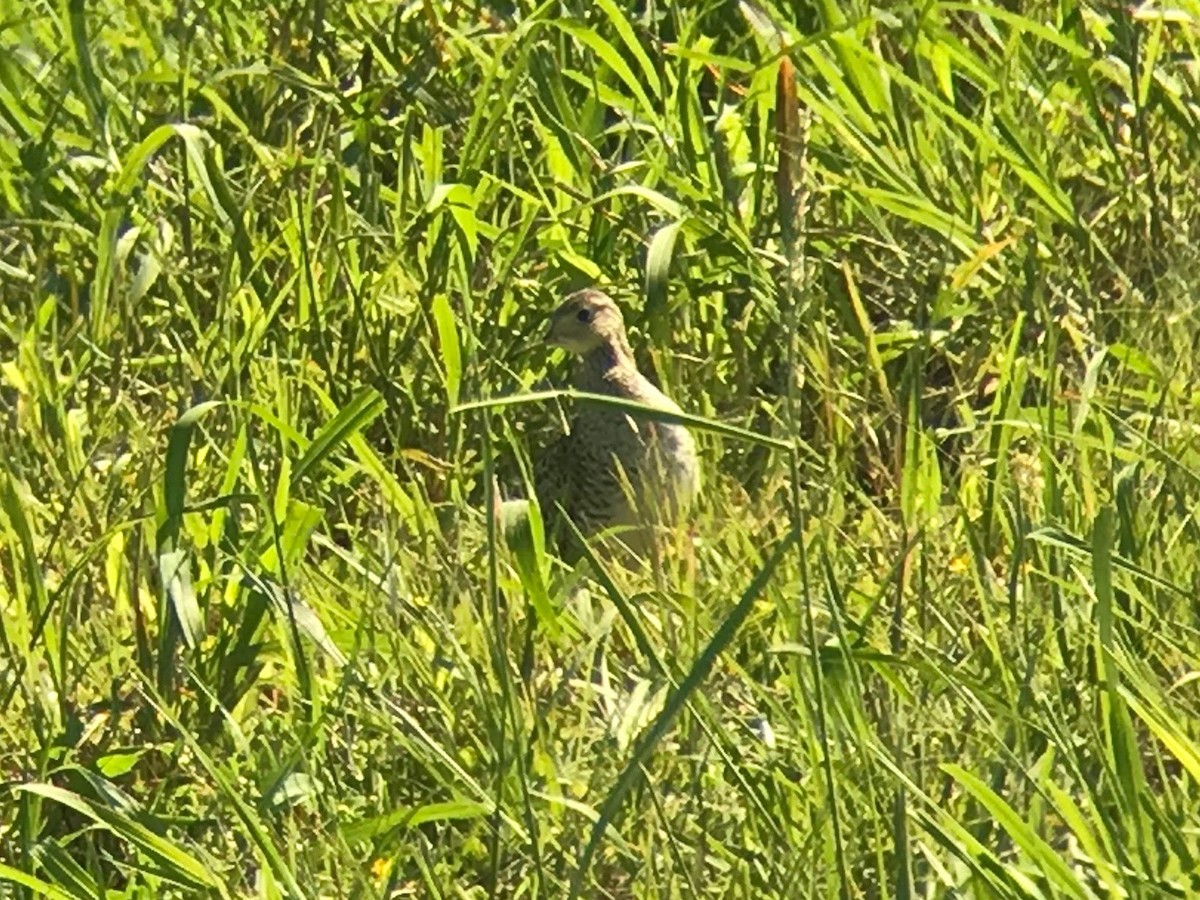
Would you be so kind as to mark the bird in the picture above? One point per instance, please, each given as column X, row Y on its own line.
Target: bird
column 614, row 469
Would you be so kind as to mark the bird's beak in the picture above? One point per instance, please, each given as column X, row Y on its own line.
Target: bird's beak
column 549, row 338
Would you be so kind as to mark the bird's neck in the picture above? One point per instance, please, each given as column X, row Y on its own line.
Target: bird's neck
column 612, row 359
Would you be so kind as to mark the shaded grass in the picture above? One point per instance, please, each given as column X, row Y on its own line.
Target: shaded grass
column 271, row 280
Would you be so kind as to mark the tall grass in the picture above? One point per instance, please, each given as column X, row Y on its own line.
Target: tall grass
column 923, row 277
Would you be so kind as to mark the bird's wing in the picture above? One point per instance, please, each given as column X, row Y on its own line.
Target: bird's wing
column 552, row 476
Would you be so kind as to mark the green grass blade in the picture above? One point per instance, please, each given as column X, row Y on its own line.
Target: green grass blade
column 608, row 55
column 176, row 862
column 1057, row 872
column 631, row 774
column 448, row 345
column 351, row 419
column 630, row 406
column 39, row 887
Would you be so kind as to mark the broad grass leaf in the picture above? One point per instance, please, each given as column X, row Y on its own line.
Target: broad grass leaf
column 1047, row 859
column 449, row 347
column 1149, row 61
column 1124, row 758
column 442, row 812
column 870, row 78
column 610, row 57
column 921, row 479
column 350, row 419
column 116, row 763
column 658, row 274
column 378, row 826
column 459, row 200
column 174, row 568
column 38, row 886
column 521, row 522
column 1170, row 733
column 174, row 483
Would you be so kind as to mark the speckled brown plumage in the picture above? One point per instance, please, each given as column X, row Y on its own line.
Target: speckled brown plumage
column 614, row 468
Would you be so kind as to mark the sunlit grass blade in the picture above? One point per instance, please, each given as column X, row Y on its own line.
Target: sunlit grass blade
column 523, row 535
column 1057, row 872
column 175, row 862
column 39, row 887
column 352, row 418
column 29, row 579
column 630, row 406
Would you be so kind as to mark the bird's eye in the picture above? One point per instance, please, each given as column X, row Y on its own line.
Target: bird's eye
column 584, row 315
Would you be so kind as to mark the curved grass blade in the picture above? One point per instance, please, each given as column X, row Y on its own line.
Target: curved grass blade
column 446, row 811
column 1039, row 852
column 177, row 863
column 448, row 345
column 640, row 409
column 658, row 270
column 39, row 887
column 174, row 478
column 525, row 537
column 610, row 57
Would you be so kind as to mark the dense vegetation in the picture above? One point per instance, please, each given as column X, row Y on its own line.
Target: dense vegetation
column 927, row 272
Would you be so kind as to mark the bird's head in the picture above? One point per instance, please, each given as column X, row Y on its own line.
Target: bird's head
column 585, row 321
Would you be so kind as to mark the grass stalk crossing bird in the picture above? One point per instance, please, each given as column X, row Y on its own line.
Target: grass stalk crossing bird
column 615, row 469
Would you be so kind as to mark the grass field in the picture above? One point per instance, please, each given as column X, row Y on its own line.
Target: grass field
column 272, row 275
